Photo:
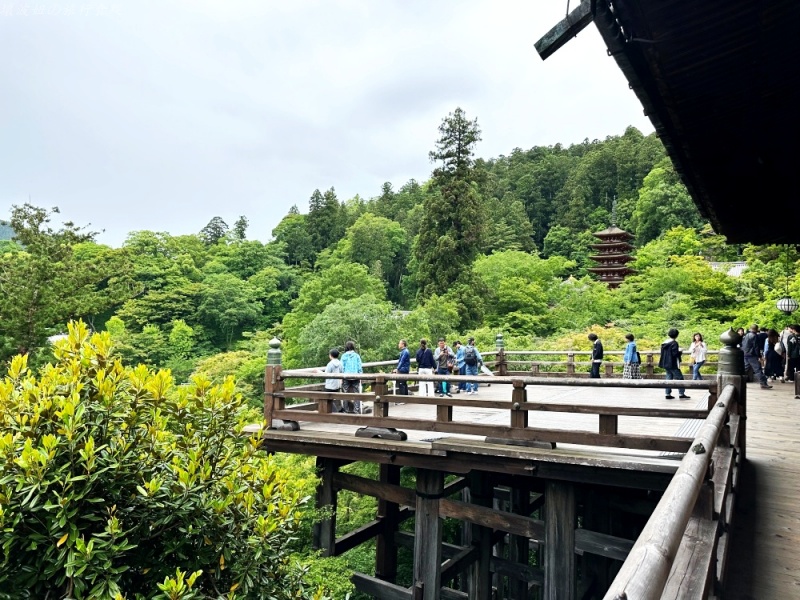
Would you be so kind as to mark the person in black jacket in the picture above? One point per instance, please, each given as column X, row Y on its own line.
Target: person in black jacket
column 670, row 361
column 597, row 356
column 753, row 348
column 425, row 365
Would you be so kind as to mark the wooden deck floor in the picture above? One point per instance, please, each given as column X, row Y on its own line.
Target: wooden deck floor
column 765, row 551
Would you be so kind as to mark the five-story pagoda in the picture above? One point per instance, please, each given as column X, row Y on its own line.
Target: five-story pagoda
column 613, row 256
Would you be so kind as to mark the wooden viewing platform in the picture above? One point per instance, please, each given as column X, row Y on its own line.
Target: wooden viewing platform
column 565, row 487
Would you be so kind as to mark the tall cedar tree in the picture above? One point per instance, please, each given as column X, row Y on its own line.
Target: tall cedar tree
column 214, row 231
column 453, row 223
column 324, row 223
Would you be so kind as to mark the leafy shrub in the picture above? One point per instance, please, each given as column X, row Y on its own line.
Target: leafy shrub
column 115, row 484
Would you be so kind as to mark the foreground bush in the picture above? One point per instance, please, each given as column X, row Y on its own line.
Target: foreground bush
column 115, row 484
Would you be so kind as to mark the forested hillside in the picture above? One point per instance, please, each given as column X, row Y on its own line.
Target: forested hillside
column 483, row 246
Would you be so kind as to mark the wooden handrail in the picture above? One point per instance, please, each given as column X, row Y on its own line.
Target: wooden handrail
column 644, row 573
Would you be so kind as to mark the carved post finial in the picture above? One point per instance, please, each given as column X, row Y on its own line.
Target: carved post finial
column 731, row 357
column 274, row 352
column 498, row 341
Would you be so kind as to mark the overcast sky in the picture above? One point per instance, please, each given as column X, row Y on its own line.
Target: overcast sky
column 163, row 114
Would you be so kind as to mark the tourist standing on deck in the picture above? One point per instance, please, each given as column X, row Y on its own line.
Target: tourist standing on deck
column 351, row 363
column 444, row 357
column 403, row 366
column 697, row 353
column 472, row 362
column 597, row 356
column 670, row 361
column 425, row 366
column 753, row 347
column 632, row 361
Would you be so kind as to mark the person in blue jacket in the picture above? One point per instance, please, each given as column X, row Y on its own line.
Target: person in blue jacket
column 351, row 363
column 403, row 366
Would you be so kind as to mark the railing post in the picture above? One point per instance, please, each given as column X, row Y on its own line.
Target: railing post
column 519, row 396
column 380, row 404
column 650, row 366
column 731, row 372
column 609, row 369
column 272, row 381
column 570, row 363
column 500, row 364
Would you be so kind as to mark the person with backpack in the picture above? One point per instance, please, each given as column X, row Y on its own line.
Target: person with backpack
column 753, row 346
column 351, row 363
column 670, row 361
column 472, row 361
column 334, row 385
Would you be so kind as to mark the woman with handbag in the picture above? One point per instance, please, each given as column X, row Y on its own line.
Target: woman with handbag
column 697, row 355
column 631, row 359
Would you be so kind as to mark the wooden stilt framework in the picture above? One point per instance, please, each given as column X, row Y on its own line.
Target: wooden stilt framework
column 544, row 513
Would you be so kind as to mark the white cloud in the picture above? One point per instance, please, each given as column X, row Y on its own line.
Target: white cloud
column 161, row 115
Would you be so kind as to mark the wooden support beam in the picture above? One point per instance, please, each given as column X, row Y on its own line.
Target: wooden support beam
column 454, row 566
column 378, row 489
column 560, row 581
column 602, row 544
column 389, row 514
column 693, row 572
column 325, row 531
column 565, row 30
column 506, row 568
column 428, row 533
column 358, row 536
column 377, row 588
column 496, row 519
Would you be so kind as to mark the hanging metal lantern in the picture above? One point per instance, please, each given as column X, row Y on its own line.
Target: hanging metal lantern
column 787, row 305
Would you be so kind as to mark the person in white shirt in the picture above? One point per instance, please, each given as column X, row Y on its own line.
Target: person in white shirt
column 697, row 352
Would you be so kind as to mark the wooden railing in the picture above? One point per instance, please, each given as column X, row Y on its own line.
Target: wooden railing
column 320, row 408
column 572, row 363
column 682, row 551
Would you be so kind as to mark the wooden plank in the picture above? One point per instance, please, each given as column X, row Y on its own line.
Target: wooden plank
column 348, row 441
column 589, row 409
column 585, row 438
column 593, row 457
column 565, row 30
column 602, row 544
column 446, row 593
column 377, row 588
column 693, row 570
column 560, row 568
column 496, row 519
column 722, row 478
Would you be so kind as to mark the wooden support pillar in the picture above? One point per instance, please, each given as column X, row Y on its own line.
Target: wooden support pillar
column 519, row 546
column 559, row 550
column 428, row 534
column 596, row 570
column 479, row 578
column 325, row 530
column 499, row 547
column 388, row 512
column 273, row 384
